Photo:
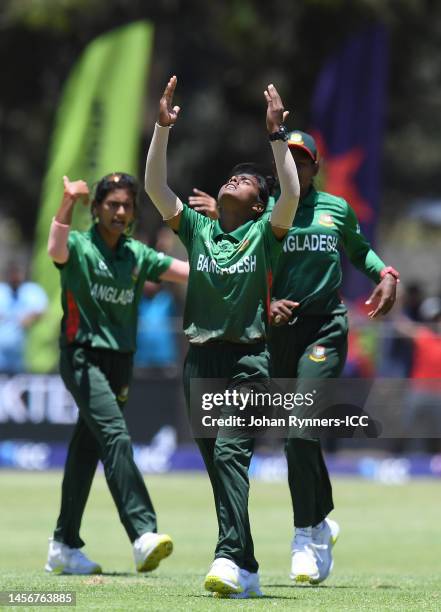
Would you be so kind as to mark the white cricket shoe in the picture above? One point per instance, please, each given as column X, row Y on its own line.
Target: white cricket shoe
column 251, row 584
column 304, row 567
column 149, row 550
column 224, row 578
column 324, row 536
column 62, row 559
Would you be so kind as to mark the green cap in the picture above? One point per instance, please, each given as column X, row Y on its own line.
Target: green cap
column 302, row 140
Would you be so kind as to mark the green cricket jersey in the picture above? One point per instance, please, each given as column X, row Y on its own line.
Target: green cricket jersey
column 101, row 289
column 230, row 279
column 309, row 270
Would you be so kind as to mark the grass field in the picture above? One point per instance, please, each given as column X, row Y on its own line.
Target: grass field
column 388, row 557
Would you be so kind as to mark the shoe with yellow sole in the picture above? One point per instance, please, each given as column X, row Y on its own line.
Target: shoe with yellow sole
column 224, row 578
column 150, row 549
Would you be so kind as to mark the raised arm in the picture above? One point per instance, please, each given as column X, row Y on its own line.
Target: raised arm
column 165, row 200
column 60, row 226
column 367, row 261
column 285, row 208
column 177, row 272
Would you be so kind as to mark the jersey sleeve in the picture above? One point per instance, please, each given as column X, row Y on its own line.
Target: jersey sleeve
column 358, row 248
column 154, row 264
column 190, row 224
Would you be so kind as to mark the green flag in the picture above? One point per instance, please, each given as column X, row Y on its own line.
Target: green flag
column 96, row 132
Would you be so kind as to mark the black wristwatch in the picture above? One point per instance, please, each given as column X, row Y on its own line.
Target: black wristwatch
column 281, row 134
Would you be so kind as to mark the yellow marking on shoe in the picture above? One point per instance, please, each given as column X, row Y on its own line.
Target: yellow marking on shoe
column 221, row 589
column 302, row 578
column 163, row 549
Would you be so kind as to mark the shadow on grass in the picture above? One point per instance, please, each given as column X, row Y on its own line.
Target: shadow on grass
column 137, row 575
column 330, row 586
column 210, row 596
column 300, row 586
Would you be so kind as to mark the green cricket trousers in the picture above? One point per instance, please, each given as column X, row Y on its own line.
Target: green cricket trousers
column 311, row 347
column 227, row 458
column 98, row 381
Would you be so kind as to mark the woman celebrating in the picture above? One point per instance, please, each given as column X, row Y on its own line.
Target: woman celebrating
column 102, row 274
column 309, row 340
column 226, row 316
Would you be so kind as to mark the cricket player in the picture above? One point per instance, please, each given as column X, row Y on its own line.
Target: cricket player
column 309, row 340
column 102, row 275
column 226, row 315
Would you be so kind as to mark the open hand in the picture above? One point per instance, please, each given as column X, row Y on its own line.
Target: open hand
column 76, row 190
column 281, row 311
column 385, row 294
column 275, row 112
column 168, row 114
column 203, row 203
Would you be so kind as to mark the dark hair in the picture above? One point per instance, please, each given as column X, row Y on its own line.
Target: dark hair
column 110, row 182
column 115, row 180
column 265, row 182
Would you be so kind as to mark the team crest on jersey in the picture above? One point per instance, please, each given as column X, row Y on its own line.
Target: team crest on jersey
column 102, row 269
column 326, row 220
column 123, row 394
column 318, row 353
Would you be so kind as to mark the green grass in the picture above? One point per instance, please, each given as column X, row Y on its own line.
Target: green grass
column 387, row 558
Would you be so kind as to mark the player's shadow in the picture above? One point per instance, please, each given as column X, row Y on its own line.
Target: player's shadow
column 122, row 574
column 210, row 596
column 296, row 586
column 327, row 586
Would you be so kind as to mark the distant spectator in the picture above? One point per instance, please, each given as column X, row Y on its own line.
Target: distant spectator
column 426, row 370
column 21, row 305
column 412, row 300
column 396, row 354
column 422, row 408
column 156, row 340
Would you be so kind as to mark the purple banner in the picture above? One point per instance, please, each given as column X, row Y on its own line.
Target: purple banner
column 347, row 118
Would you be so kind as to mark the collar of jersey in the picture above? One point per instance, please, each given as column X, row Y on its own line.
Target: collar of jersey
column 309, row 199
column 236, row 235
column 105, row 250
